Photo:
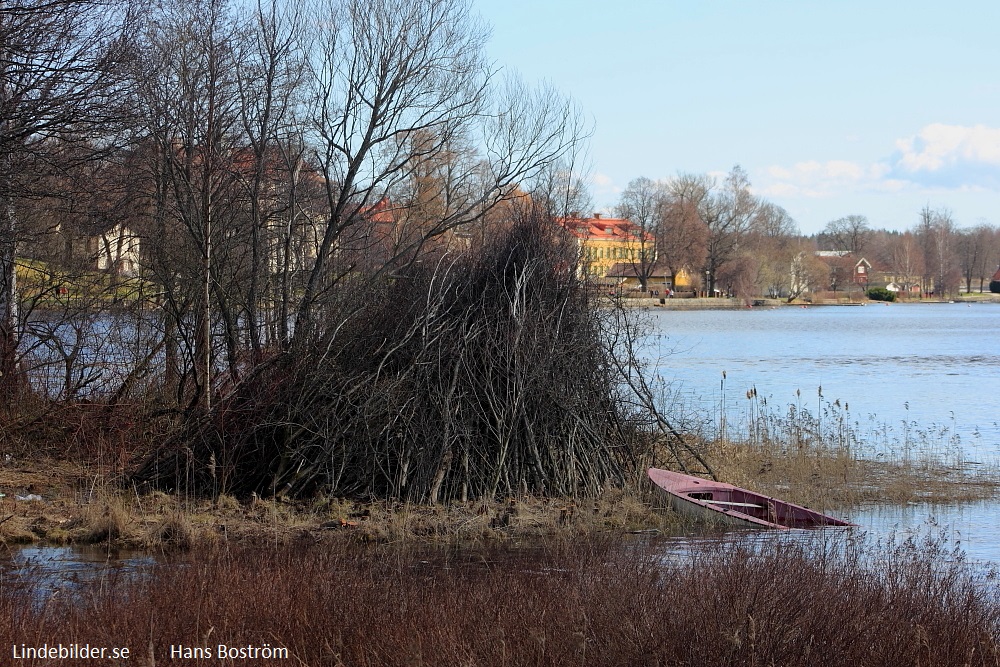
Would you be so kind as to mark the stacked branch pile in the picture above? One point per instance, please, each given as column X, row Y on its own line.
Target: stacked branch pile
column 482, row 376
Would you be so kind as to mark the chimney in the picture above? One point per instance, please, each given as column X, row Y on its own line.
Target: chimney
column 597, row 216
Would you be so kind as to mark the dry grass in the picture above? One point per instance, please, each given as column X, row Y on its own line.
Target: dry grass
column 823, row 477
column 83, row 506
column 574, row 602
column 826, row 458
column 80, row 506
column 809, row 460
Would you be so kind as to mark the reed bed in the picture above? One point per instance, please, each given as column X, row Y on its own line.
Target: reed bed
column 836, row 601
column 825, row 457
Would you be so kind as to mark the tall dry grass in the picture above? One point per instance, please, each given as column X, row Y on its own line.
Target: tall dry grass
column 835, row 602
column 826, row 458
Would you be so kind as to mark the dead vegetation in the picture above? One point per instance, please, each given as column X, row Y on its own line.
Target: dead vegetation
column 831, row 479
column 81, row 506
column 847, row 602
column 822, row 459
column 479, row 378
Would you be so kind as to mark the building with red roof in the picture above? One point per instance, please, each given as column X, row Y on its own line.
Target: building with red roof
column 604, row 242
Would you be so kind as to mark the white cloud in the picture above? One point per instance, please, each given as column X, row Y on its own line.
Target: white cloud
column 939, row 146
column 604, row 189
column 938, row 157
column 810, row 167
column 779, row 172
column 817, row 179
column 602, row 180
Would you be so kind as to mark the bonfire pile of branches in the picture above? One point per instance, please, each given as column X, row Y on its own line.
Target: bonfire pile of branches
column 484, row 376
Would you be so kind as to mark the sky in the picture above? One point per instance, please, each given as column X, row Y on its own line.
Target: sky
column 833, row 108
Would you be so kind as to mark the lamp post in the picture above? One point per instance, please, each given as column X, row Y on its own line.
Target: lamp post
column 708, row 282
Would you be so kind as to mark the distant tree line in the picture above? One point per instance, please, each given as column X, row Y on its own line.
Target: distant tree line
column 733, row 242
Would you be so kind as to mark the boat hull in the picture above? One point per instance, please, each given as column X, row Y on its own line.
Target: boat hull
column 717, row 503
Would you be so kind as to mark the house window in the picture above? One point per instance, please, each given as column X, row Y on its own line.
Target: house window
column 861, row 268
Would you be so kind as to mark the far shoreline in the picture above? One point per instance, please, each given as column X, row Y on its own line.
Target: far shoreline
column 737, row 303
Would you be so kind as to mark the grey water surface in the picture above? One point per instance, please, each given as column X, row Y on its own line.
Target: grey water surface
column 902, row 379
column 900, row 375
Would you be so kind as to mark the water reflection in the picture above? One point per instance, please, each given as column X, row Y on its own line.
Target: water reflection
column 966, row 531
column 46, row 571
column 971, row 527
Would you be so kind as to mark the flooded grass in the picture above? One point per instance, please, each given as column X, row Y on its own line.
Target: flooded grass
column 835, row 479
column 826, row 459
column 94, row 510
column 838, row 601
column 821, row 459
column 830, row 479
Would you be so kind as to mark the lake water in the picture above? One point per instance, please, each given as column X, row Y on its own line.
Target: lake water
column 903, row 375
column 48, row 571
column 898, row 374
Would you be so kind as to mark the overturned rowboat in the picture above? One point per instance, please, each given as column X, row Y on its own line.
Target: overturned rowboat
column 724, row 504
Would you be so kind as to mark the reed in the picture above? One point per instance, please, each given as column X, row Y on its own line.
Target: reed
column 831, row 602
column 827, row 457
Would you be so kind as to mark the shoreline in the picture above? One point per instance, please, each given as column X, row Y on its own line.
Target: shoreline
column 734, row 303
column 58, row 503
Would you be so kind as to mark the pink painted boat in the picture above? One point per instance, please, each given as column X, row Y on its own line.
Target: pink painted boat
column 724, row 504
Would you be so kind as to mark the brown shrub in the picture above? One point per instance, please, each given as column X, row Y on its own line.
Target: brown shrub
column 831, row 602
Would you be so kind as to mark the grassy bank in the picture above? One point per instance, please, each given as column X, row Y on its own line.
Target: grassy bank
column 564, row 603
column 821, row 462
column 79, row 504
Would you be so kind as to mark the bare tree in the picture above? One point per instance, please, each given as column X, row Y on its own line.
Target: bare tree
column 641, row 203
column 57, row 72
column 772, row 240
column 808, row 272
column 394, row 85
column 968, row 250
column 682, row 241
column 936, row 231
column 740, row 275
column 561, row 191
column 728, row 212
column 270, row 72
column 905, row 258
column 925, row 235
column 851, row 233
column 985, row 238
column 186, row 79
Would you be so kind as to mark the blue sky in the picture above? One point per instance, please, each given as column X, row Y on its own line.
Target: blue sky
column 834, row 108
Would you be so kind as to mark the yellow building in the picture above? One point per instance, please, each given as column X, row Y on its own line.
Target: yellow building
column 604, row 242
column 611, row 249
column 659, row 281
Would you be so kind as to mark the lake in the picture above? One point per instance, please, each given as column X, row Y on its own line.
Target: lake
column 918, row 375
column 902, row 373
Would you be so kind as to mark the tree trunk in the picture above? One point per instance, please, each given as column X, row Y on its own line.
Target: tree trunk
column 8, row 302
